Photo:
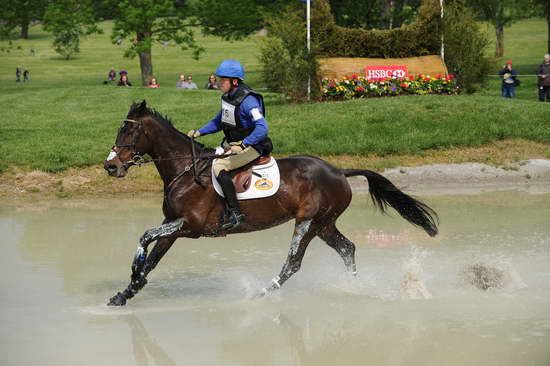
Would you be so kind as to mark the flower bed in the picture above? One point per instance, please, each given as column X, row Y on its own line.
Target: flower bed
column 355, row 86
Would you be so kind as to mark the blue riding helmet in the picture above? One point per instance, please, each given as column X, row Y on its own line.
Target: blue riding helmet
column 230, row 69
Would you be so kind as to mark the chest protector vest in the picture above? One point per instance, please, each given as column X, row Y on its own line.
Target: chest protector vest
column 231, row 123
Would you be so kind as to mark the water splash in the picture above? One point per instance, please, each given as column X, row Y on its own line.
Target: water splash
column 491, row 273
column 413, row 285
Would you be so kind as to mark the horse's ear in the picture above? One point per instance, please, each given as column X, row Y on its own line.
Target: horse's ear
column 143, row 106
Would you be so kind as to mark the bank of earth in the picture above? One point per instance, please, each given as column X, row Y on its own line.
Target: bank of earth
column 502, row 163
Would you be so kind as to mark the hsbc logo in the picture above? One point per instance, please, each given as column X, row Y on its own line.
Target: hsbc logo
column 381, row 72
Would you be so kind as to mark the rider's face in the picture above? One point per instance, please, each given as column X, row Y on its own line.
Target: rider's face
column 225, row 84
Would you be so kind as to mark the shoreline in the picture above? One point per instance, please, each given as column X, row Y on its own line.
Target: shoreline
column 531, row 176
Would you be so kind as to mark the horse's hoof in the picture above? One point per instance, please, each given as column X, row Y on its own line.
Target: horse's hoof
column 260, row 295
column 118, row 300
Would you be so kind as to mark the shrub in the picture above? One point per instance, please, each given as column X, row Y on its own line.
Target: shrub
column 417, row 39
column 285, row 60
column 465, row 45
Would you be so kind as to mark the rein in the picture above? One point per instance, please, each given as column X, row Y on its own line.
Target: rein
column 139, row 160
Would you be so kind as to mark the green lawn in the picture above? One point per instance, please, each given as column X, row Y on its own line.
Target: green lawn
column 97, row 55
column 65, row 117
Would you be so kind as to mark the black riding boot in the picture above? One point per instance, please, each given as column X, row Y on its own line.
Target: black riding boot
column 236, row 217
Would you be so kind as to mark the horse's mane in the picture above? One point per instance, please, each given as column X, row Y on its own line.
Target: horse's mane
column 136, row 109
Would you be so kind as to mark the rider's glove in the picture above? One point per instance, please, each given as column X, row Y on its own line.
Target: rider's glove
column 193, row 133
column 235, row 149
column 239, row 144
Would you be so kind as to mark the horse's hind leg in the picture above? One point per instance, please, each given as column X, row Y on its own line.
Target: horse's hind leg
column 343, row 246
column 142, row 264
column 304, row 231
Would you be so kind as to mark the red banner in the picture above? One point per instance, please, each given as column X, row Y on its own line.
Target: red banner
column 380, row 72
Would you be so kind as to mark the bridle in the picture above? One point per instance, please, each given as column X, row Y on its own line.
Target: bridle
column 138, row 159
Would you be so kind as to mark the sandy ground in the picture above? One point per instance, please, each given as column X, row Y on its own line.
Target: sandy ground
column 530, row 175
column 465, row 178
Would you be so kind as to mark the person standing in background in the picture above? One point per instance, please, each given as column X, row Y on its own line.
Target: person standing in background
column 508, row 75
column 544, row 79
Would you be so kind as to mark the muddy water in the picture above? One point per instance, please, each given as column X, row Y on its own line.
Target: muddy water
column 59, row 265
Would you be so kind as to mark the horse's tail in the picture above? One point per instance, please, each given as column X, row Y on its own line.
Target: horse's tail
column 384, row 193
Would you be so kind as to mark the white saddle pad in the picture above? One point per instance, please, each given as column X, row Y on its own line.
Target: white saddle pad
column 264, row 185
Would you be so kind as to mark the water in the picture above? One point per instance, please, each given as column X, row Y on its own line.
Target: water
column 61, row 262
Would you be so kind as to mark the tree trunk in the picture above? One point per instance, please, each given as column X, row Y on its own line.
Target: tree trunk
column 499, row 51
column 25, row 29
column 145, row 60
column 146, row 65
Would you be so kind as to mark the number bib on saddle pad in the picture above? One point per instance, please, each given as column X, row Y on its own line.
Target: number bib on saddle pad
column 264, row 182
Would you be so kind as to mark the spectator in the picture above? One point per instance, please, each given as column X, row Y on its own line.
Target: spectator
column 190, row 83
column 182, row 84
column 508, row 75
column 124, row 81
column 26, row 76
column 544, row 79
column 122, row 72
column 18, row 74
column 212, row 82
column 33, row 51
column 153, row 83
column 112, row 75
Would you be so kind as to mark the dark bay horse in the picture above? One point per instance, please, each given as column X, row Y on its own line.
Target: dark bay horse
column 312, row 192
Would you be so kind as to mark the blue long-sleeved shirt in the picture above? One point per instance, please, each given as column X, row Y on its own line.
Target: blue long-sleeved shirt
column 251, row 115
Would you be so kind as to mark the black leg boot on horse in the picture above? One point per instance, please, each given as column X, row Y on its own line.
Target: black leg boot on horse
column 236, row 217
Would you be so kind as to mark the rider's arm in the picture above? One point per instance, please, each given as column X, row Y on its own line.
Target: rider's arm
column 213, row 126
column 252, row 108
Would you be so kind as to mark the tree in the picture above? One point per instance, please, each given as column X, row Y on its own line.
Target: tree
column 20, row 13
column 68, row 20
column 500, row 13
column 377, row 14
column 233, row 20
column 545, row 10
column 144, row 22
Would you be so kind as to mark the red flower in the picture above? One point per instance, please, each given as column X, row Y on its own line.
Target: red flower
column 438, row 76
column 331, row 85
column 359, row 89
column 451, row 76
column 354, row 77
column 411, row 77
column 404, row 85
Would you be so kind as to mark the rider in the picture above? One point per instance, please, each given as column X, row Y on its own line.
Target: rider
column 242, row 121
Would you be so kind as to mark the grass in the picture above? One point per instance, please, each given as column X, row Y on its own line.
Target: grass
column 65, row 118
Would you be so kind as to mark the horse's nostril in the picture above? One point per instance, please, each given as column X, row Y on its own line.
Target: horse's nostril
column 111, row 168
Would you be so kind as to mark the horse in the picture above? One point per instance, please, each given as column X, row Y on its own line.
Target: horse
column 312, row 192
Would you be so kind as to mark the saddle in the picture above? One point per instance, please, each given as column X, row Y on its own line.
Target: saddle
column 258, row 179
column 242, row 177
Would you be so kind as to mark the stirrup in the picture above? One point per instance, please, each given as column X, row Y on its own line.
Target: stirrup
column 235, row 219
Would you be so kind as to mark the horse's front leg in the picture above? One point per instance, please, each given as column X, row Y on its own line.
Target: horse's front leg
column 142, row 265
